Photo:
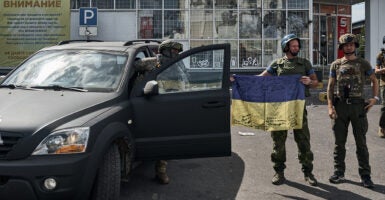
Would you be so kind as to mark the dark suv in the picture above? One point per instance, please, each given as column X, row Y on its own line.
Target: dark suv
column 75, row 116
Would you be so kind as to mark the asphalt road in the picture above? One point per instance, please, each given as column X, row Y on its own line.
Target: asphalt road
column 246, row 175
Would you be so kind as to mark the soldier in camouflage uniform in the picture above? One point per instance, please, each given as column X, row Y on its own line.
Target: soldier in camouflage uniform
column 288, row 65
column 172, row 79
column 168, row 50
column 380, row 70
column 347, row 104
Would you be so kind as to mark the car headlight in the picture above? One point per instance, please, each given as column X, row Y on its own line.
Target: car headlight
column 64, row 142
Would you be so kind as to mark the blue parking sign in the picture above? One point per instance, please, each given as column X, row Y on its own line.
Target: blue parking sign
column 88, row 16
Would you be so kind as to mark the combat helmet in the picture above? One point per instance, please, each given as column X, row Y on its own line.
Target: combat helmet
column 285, row 41
column 168, row 45
column 347, row 38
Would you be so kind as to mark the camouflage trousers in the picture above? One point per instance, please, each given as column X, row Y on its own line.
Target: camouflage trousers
column 356, row 114
column 160, row 172
column 302, row 138
column 160, row 166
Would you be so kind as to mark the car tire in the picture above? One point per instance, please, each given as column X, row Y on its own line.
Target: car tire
column 107, row 182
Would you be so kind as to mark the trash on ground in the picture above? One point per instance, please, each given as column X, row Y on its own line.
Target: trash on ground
column 245, row 133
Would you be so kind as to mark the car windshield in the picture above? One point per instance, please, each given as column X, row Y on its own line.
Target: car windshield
column 82, row 69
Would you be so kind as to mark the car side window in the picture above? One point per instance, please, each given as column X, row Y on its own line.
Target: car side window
column 140, row 55
column 198, row 72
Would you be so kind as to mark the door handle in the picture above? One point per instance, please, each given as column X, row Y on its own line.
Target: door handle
column 213, row 104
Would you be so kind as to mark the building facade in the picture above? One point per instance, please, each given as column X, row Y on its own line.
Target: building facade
column 254, row 28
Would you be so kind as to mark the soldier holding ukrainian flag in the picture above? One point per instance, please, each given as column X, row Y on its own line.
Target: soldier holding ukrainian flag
column 291, row 64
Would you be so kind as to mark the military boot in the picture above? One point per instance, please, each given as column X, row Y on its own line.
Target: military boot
column 367, row 181
column 278, row 178
column 160, row 172
column 309, row 178
column 381, row 132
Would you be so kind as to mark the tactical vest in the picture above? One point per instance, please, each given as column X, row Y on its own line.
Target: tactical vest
column 350, row 76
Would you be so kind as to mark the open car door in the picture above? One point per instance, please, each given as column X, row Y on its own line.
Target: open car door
column 187, row 115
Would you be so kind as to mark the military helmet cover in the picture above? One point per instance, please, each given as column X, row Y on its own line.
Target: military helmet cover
column 285, row 41
column 347, row 38
column 169, row 44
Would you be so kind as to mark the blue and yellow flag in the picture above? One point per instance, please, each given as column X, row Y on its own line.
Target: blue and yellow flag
column 270, row 103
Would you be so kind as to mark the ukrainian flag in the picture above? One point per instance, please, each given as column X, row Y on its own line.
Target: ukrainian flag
column 270, row 103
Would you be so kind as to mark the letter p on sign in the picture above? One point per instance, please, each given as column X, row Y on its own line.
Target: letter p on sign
column 88, row 16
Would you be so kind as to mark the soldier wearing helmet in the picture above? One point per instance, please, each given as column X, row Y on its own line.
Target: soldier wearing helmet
column 288, row 65
column 168, row 81
column 348, row 76
column 348, row 38
column 285, row 43
column 168, row 50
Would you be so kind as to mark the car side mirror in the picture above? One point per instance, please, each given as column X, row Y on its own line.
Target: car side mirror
column 151, row 88
column 1, row 78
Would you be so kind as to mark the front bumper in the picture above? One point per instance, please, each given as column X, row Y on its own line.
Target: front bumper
column 23, row 179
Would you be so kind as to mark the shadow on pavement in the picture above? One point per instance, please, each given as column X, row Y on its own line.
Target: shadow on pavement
column 377, row 188
column 206, row 178
column 324, row 191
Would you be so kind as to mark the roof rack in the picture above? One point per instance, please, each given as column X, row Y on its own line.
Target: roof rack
column 73, row 41
column 131, row 42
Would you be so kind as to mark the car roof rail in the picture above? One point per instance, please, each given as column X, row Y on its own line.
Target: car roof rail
column 73, row 41
column 131, row 42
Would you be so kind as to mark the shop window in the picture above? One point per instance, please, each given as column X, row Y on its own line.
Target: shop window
column 175, row 24
column 298, row 4
column 76, row 4
column 304, row 52
column 250, row 24
column 274, row 24
column 250, row 4
column 103, row 4
column 150, row 4
column 234, row 62
column 229, row 4
column 274, row 4
column 201, row 4
column 318, row 57
column 315, row 8
column 150, row 24
column 125, row 4
column 272, row 51
column 226, row 24
column 250, row 53
column 175, row 4
column 328, row 35
column 198, row 43
column 201, row 24
column 298, row 23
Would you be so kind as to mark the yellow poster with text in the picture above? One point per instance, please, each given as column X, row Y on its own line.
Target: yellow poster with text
column 29, row 25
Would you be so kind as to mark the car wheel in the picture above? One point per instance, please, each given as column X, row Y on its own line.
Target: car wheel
column 107, row 182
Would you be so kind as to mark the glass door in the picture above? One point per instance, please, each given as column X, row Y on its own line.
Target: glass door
column 327, row 35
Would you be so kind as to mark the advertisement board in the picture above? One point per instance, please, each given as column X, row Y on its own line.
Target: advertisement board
column 27, row 26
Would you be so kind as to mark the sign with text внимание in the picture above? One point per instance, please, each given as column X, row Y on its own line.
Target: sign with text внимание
column 29, row 25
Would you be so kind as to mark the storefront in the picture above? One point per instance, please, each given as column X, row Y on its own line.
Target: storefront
column 253, row 27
